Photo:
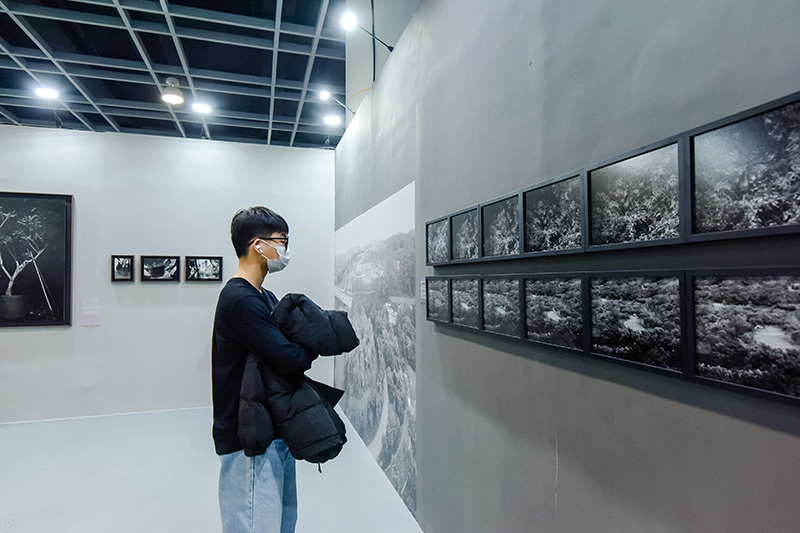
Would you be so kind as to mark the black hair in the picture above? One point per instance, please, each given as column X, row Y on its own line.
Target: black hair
column 255, row 223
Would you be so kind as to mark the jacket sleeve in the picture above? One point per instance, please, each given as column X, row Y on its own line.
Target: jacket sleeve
column 257, row 330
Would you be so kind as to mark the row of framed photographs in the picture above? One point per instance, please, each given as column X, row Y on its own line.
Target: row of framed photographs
column 737, row 177
column 166, row 268
column 732, row 328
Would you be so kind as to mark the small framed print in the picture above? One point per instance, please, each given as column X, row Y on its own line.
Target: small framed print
column 121, row 268
column 437, row 242
column 438, row 299
column 203, row 268
column 160, row 268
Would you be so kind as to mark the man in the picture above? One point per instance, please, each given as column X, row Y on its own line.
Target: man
column 255, row 493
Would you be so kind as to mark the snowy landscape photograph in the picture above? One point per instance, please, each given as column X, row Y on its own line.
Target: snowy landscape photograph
column 501, row 228
column 465, row 296
column 439, row 299
column 437, row 242
column 637, row 319
column 747, row 331
column 747, row 175
column 501, row 306
column 554, row 311
column 636, row 200
column 375, row 284
column 553, row 217
column 465, row 235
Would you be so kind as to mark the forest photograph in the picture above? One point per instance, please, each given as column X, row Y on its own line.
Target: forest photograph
column 465, row 235
column 636, row 199
column 637, row 319
column 747, row 331
column 553, row 217
column 501, row 306
column 436, row 242
column 554, row 311
column 438, row 299
column 465, row 295
column 501, row 228
column 747, row 174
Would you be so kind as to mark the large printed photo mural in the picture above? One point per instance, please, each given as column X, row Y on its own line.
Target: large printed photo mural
column 374, row 284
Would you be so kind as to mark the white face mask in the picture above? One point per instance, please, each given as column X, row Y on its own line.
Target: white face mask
column 276, row 265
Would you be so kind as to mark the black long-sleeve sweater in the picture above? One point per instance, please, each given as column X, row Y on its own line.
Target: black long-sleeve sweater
column 244, row 325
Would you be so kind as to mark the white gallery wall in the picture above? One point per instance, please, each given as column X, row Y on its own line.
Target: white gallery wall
column 141, row 195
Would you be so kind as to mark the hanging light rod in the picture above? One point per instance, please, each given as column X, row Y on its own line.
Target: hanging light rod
column 349, row 22
column 326, row 95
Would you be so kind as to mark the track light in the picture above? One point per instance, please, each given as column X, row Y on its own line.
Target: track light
column 201, row 108
column 333, row 120
column 43, row 92
column 349, row 22
column 171, row 93
column 326, row 95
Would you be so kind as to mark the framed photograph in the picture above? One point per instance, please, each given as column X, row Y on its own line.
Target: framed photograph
column 501, row 228
column 464, row 228
column 746, row 174
column 465, row 298
column 637, row 319
column 554, row 311
column 35, row 259
column 747, row 329
column 436, row 242
column 203, row 268
column 121, row 268
column 553, row 217
column 501, row 306
column 636, row 200
column 439, row 299
column 160, row 268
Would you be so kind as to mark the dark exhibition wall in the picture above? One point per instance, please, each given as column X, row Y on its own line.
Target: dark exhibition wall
column 483, row 100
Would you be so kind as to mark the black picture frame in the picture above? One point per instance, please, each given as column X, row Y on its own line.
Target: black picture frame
column 122, row 268
column 203, row 268
column 540, row 236
column 437, row 241
column 465, row 235
column 36, row 259
column 501, row 228
column 501, row 306
column 743, row 335
column 743, row 173
column 554, row 310
column 155, row 268
column 438, row 299
column 638, row 318
column 465, row 302
column 635, row 200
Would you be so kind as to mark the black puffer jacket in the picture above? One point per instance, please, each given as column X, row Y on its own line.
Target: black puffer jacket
column 298, row 410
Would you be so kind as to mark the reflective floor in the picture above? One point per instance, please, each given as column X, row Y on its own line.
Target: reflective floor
column 157, row 472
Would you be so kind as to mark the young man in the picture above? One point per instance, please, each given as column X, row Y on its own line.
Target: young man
column 256, row 494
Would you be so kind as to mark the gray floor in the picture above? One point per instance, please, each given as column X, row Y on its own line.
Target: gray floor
column 157, row 472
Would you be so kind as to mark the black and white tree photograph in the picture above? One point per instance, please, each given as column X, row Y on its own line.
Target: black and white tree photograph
column 636, row 200
column 465, row 235
column 160, row 268
column 437, row 242
column 501, row 228
column 747, row 331
column 121, row 268
column 35, row 261
column 637, row 319
column 553, row 217
column 203, row 268
column 501, row 313
column 747, row 175
column 554, row 311
column 438, row 299
column 465, row 296
column 374, row 282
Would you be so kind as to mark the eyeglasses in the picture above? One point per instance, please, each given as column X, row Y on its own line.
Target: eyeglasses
column 281, row 240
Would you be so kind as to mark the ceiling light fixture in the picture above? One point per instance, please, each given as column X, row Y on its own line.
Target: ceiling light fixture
column 201, row 108
column 171, row 93
column 43, row 92
column 349, row 22
column 326, row 95
column 332, row 120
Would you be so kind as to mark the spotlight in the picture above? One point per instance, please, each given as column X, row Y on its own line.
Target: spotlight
column 172, row 94
column 201, row 108
column 43, row 92
column 332, row 120
column 324, row 95
column 349, row 21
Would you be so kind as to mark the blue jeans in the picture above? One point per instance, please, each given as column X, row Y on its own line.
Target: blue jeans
column 258, row 494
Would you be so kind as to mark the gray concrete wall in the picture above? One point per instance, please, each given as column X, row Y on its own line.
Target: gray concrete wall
column 482, row 98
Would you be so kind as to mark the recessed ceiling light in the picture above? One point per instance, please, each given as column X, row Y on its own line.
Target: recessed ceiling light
column 332, row 120
column 349, row 21
column 324, row 95
column 201, row 108
column 43, row 92
column 172, row 94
